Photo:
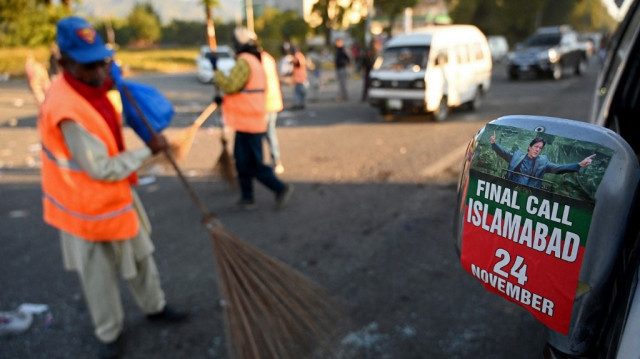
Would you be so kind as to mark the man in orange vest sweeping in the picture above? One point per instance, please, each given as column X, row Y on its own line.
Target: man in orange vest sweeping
column 244, row 109
column 86, row 180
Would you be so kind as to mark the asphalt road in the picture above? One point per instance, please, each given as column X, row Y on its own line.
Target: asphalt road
column 371, row 220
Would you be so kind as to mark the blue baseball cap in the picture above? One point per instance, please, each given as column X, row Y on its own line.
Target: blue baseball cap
column 78, row 39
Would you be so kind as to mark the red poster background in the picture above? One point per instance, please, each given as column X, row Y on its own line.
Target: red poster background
column 548, row 276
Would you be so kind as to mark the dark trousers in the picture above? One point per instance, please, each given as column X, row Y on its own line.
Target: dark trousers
column 247, row 152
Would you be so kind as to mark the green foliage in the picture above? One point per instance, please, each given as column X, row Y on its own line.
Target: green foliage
column 28, row 22
column 393, row 9
column 274, row 26
column 179, row 32
column 145, row 23
column 517, row 19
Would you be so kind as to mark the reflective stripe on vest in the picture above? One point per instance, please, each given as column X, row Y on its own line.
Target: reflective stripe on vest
column 245, row 111
column 69, row 164
column 72, row 200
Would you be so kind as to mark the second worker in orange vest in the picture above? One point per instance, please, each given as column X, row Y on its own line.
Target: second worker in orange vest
column 299, row 78
column 244, row 109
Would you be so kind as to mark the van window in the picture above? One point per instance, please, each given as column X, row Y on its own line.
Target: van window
column 403, row 58
column 462, row 54
column 476, row 50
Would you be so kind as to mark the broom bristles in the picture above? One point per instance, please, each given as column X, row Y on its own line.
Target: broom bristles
column 225, row 166
column 272, row 310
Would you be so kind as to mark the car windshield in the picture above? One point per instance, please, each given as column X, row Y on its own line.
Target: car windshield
column 220, row 54
column 543, row 40
column 403, row 58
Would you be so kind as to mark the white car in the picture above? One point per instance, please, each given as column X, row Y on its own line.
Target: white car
column 226, row 60
column 498, row 46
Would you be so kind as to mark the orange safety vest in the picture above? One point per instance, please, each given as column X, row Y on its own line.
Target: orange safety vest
column 274, row 94
column 299, row 75
column 72, row 200
column 245, row 110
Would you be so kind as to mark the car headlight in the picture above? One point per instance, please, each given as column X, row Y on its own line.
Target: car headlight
column 376, row 83
column 550, row 55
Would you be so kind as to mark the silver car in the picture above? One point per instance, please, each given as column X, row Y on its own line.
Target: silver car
column 226, row 61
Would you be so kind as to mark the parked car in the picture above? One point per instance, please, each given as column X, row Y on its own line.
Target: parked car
column 551, row 51
column 226, row 61
column 587, row 295
column 432, row 70
column 499, row 47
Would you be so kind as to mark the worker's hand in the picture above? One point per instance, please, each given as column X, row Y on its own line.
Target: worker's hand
column 217, row 99
column 157, row 143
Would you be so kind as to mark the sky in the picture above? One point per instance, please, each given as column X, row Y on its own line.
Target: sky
column 228, row 10
column 168, row 9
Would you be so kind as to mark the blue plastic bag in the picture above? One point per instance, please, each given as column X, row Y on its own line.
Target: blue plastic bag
column 156, row 108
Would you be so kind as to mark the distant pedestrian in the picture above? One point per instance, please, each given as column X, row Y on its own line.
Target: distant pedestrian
column 87, row 178
column 314, row 65
column 368, row 59
column 274, row 105
column 299, row 78
column 342, row 62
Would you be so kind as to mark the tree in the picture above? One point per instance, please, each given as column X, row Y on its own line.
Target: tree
column 145, row 22
column 274, row 25
column 393, row 8
column 29, row 22
column 332, row 14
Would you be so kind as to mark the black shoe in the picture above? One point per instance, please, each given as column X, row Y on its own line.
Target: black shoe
column 168, row 315
column 111, row 350
column 283, row 197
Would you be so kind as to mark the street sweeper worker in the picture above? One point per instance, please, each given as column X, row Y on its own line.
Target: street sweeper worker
column 87, row 178
column 274, row 105
column 244, row 109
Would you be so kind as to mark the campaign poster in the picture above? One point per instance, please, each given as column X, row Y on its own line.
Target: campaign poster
column 528, row 207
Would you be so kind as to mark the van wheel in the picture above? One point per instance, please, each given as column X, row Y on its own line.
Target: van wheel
column 441, row 113
column 476, row 102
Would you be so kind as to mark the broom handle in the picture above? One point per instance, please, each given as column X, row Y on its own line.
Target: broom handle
column 167, row 153
column 205, row 114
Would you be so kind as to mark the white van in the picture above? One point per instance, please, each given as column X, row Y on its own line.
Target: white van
column 432, row 69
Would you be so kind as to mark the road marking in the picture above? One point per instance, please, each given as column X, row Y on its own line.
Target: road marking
column 454, row 157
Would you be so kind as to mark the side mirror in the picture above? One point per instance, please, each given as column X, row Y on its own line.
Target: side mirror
column 546, row 232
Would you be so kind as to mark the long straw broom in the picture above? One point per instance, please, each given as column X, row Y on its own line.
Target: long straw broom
column 271, row 310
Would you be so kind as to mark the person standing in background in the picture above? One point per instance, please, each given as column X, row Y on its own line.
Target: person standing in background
column 342, row 62
column 314, row 64
column 274, row 105
column 368, row 59
column 299, row 78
